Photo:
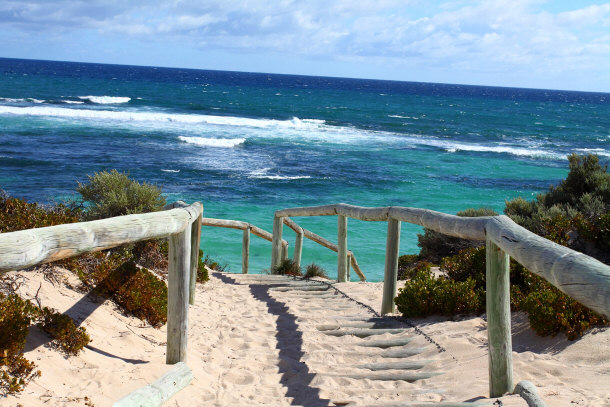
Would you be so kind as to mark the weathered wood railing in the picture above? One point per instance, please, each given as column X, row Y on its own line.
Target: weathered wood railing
column 246, row 228
column 298, row 247
column 180, row 223
column 579, row 276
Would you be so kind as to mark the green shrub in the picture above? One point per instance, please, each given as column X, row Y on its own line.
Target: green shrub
column 550, row 311
column 202, row 271
column 409, row 269
column 17, row 214
column 426, row 295
column 288, row 268
column 314, row 270
column 434, row 245
column 113, row 193
column 114, row 274
column 575, row 213
column 16, row 371
column 61, row 327
column 212, row 264
column 467, row 264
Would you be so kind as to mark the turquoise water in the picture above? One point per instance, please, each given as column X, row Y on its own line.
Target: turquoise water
column 248, row 144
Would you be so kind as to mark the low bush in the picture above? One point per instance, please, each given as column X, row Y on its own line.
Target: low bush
column 467, row 264
column 114, row 274
column 61, row 327
column 16, row 371
column 410, row 267
column 287, row 268
column 426, row 295
column 18, row 214
column 111, row 193
column 16, row 316
column 314, row 270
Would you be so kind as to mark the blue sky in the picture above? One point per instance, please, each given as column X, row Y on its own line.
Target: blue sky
column 527, row 43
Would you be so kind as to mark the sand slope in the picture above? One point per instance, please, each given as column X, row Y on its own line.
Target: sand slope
column 253, row 344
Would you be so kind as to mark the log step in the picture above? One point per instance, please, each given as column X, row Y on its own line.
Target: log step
column 393, row 375
column 363, row 332
column 441, row 404
column 386, row 343
column 301, row 288
column 360, row 324
column 402, row 353
column 402, row 365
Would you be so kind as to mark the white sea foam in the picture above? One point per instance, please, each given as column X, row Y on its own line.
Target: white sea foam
column 279, row 177
column 106, row 100
column 234, row 130
column 73, row 102
column 170, row 170
column 262, row 174
column 21, row 100
column 212, row 142
column 453, row 147
column 598, row 151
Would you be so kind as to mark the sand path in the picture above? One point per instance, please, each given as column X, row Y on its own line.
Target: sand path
column 274, row 341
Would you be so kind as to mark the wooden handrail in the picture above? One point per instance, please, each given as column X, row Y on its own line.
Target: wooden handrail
column 247, row 228
column 27, row 248
column 582, row 277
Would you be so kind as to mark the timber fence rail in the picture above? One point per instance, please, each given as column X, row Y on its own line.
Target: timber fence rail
column 298, row 247
column 582, row 277
column 180, row 223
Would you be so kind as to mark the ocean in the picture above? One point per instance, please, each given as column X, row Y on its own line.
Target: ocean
column 248, row 144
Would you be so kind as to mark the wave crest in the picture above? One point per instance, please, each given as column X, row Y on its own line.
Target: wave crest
column 212, row 142
column 106, row 100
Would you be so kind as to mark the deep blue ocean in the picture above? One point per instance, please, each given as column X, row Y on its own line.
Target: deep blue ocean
column 247, row 144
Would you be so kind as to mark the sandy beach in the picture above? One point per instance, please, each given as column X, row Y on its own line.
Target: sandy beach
column 254, row 342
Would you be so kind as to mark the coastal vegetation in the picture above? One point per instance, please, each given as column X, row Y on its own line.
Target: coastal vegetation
column 575, row 213
column 130, row 275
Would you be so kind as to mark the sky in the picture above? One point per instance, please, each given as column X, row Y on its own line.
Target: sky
column 518, row 43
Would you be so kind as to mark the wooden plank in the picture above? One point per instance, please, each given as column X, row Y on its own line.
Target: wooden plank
column 276, row 242
column 161, row 390
column 498, row 320
column 342, row 264
column 391, row 267
column 356, row 267
column 245, row 251
column 195, row 242
column 178, row 276
column 528, row 392
column 581, row 277
column 225, row 223
column 30, row 247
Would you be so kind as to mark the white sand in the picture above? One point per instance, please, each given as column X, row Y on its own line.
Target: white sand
column 249, row 345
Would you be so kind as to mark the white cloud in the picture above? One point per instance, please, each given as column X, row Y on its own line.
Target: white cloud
column 475, row 35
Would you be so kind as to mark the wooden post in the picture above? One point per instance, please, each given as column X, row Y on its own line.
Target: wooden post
column 276, row 242
column 245, row 251
column 391, row 266
column 284, row 252
column 298, row 249
column 498, row 320
column 342, row 248
column 178, row 277
column 195, row 242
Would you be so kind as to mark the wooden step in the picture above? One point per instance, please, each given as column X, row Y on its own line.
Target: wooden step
column 363, row 332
